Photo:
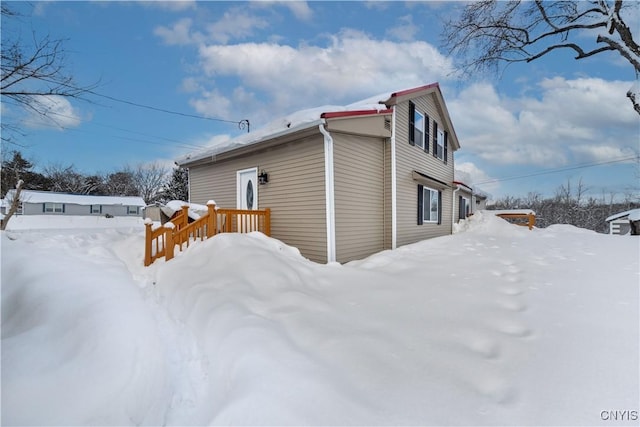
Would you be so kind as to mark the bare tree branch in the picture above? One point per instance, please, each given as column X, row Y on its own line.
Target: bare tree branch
column 490, row 33
column 31, row 71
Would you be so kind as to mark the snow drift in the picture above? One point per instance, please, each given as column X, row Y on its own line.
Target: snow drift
column 494, row 325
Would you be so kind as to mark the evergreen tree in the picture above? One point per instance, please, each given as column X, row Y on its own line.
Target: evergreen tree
column 178, row 186
column 18, row 168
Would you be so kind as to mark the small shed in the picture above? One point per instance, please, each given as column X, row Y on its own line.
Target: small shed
column 627, row 222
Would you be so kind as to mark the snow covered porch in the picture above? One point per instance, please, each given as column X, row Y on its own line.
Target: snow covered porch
column 161, row 241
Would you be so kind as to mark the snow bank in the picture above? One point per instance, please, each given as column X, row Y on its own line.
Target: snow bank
column 59, row 222
column 495, row 325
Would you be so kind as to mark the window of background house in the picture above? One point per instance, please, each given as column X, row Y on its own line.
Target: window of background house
column 132, row 210
column 53, row 207
column 96, row 209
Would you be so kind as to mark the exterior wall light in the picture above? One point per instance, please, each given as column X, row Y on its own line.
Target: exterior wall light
column 263, row 178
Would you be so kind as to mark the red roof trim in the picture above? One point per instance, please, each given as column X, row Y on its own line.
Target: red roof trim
column 415, row 89
column 336, row 114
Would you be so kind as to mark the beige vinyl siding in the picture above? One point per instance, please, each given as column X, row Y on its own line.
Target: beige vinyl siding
column 359, row 195
column 295, row 191
column 410, row 158
column 388, row 217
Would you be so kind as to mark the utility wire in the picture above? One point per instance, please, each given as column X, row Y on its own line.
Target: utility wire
column 162, row 110
column 581, row 166
column 242, row 124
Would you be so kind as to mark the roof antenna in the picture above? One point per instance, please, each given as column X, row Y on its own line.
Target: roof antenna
column 244, row 124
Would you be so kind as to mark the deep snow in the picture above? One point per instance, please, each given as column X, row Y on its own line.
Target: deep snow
column 494, row 325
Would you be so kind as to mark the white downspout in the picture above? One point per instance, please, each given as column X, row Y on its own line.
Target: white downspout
column 394, row 192
column 329, row 194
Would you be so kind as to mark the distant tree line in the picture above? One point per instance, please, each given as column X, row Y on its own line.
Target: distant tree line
column 570, row 205
column 153, row 182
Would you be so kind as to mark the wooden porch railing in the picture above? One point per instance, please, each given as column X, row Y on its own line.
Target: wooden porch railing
column 517, row 218
column 161, row 242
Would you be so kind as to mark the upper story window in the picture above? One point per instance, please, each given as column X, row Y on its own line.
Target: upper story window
column 418, row 128
column 440, row 143
column 53, row 208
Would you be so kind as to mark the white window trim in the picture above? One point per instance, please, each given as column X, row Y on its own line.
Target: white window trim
column 426, row 202
column 440, row 144
column 137, row 212
column 422, row 140
column 51, row 207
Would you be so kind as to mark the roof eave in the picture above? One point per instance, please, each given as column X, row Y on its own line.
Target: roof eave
column 213, row 155
column 233, row 151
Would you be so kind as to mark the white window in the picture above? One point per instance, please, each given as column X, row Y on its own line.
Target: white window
column 53, row 208
column 132, row 210
column 96, row 209
column 418, row 129
column 431, row 205
column 440, row 149
column 428, row 205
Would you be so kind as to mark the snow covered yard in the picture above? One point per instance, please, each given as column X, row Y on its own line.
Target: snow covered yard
column 495, row 325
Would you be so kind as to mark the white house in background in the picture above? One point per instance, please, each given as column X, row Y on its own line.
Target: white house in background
column 466, row 198
column 51, row 203
column 620, row 223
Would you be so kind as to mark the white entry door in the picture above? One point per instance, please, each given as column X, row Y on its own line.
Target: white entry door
column 248, row 189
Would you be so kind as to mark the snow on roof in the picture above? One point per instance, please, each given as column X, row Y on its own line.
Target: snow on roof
column 512, row 211
column 464, row 178
column 633, row 213
column 30, row 196
column 294, row 122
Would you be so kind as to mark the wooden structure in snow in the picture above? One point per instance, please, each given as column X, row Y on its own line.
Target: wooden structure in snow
column 161, row 241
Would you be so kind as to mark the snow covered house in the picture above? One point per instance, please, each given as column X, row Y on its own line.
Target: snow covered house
column 621, row 222
column 52, row 203
column 342, row 182
column 466, row 198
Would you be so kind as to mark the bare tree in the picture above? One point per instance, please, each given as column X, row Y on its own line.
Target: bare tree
column 150, row 179
column 65, row 179
column 489, row 33
column 15, row 201
column 31, row 73
column 121, row 183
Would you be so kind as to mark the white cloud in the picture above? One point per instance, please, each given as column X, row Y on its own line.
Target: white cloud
column 300, row 9
column 235, row 24
column 212, row 104
column 179, row 33
column 52, row 111
column 172, row 5
column 350, row 66
column 562, row 125
column 471, row 175
column 406, row 30
column 190, row 85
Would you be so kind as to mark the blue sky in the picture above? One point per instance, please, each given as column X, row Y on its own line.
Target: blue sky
column 535, row 128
